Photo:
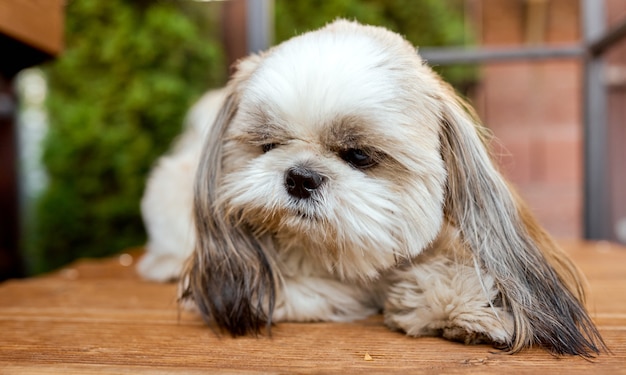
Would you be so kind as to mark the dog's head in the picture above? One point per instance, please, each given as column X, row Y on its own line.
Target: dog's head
column 343, row 144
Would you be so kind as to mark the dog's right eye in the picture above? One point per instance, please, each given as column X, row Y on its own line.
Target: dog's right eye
column 268, row 146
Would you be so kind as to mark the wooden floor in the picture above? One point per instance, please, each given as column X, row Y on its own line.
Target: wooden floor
column 97, row 317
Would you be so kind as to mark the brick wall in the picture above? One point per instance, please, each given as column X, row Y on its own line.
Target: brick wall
column 534, row 108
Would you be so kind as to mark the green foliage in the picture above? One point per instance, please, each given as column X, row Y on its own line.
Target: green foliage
column 423, row 22
column 117, row 97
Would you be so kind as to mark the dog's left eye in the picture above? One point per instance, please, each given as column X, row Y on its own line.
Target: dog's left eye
column 358, row 158
column 268, row 146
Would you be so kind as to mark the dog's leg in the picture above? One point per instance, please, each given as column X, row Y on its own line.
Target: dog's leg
column 304, row 299
column 443, row 293
column 166, row 210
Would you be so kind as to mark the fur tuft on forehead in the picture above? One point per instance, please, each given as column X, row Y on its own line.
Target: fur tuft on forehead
column 339, row 70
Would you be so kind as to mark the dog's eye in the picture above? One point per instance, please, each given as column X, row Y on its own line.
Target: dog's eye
column 358, row 158
column 268, row 146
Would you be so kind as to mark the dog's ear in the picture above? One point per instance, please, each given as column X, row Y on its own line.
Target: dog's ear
column 230, row 276
column 540, row 285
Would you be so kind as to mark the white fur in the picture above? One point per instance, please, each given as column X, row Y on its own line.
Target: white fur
column 429, row 233
column 372, row 216
column 371, row 223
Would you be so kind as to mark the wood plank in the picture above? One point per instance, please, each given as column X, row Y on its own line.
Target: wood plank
column 38, row 23
column 97, row 317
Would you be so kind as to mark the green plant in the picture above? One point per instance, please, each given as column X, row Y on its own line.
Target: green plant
column 117, row 97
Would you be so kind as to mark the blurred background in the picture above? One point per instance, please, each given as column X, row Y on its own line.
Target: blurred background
column 80, row 131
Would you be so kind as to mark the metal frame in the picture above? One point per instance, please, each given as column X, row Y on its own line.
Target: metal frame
column 597, row 209
column 456, row 55
column 260, row 25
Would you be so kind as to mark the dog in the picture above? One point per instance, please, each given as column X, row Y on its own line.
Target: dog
column 341, row 177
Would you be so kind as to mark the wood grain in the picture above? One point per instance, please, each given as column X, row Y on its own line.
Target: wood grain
column 97, row 317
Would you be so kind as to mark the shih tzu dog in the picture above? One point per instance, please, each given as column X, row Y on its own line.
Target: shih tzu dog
column 337, row 176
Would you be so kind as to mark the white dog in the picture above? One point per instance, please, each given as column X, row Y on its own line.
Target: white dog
column 342, row 177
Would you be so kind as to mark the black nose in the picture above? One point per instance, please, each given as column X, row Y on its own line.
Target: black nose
column 301, row 182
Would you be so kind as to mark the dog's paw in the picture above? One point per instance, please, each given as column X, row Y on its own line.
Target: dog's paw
column 456, row 323
column 447, row 299
column 461, row 334
column 160, row 267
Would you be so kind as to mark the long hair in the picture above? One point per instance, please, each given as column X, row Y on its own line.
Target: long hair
column 230, row 276
column 541, row 286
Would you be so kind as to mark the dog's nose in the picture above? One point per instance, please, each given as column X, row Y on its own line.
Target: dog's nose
column 301, row 182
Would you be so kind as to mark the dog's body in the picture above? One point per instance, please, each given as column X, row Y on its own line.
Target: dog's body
column 168, row 198
column 342, row 177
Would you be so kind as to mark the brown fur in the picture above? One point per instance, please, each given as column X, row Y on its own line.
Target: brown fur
column 540, row 284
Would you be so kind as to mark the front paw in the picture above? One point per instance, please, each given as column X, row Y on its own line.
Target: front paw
column 448, row 300
column 461, row 334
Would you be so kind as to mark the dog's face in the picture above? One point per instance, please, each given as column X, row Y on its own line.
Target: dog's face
column 335, row 148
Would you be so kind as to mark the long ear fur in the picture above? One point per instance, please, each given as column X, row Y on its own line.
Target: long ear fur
column 539, row 283
column 229, row 276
